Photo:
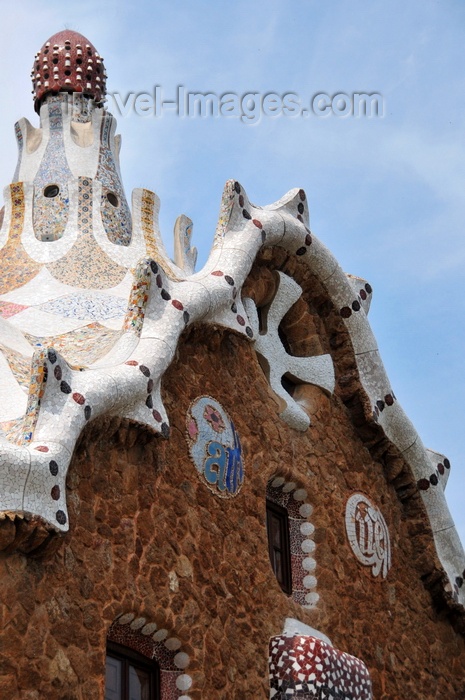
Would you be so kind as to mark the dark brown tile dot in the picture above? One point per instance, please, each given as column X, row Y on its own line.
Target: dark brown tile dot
column 61, row 517
column 423, row 484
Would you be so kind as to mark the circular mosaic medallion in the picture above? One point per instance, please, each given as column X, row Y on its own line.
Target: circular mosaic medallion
column 368, row 534
column 215, row 447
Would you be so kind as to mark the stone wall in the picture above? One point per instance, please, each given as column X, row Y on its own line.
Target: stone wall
column 150, row 541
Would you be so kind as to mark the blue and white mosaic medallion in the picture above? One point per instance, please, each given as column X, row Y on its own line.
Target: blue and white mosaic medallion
column 215, row 447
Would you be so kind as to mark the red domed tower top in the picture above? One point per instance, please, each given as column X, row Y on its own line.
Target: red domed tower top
column 68, row 62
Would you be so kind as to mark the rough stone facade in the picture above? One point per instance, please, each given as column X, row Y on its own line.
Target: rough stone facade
column 148, row 537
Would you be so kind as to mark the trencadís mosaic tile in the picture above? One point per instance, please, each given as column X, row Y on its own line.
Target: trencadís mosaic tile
column 69, row 249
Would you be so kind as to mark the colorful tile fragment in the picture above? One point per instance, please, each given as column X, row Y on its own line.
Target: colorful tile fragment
column 307, row 668
column 215, row 447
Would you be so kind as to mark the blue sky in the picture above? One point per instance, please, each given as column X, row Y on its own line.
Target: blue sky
column 386, row 195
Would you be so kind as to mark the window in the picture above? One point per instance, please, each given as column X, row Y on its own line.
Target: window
column 130, row 676
column 277, row 525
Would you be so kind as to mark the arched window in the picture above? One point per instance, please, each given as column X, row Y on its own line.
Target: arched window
column 277, row 526
column 290, row 540
column 130, row 676
column 144, row 662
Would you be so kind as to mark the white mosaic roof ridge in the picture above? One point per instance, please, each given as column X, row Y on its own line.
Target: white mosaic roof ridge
column 316, row 370
column 169, row 299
